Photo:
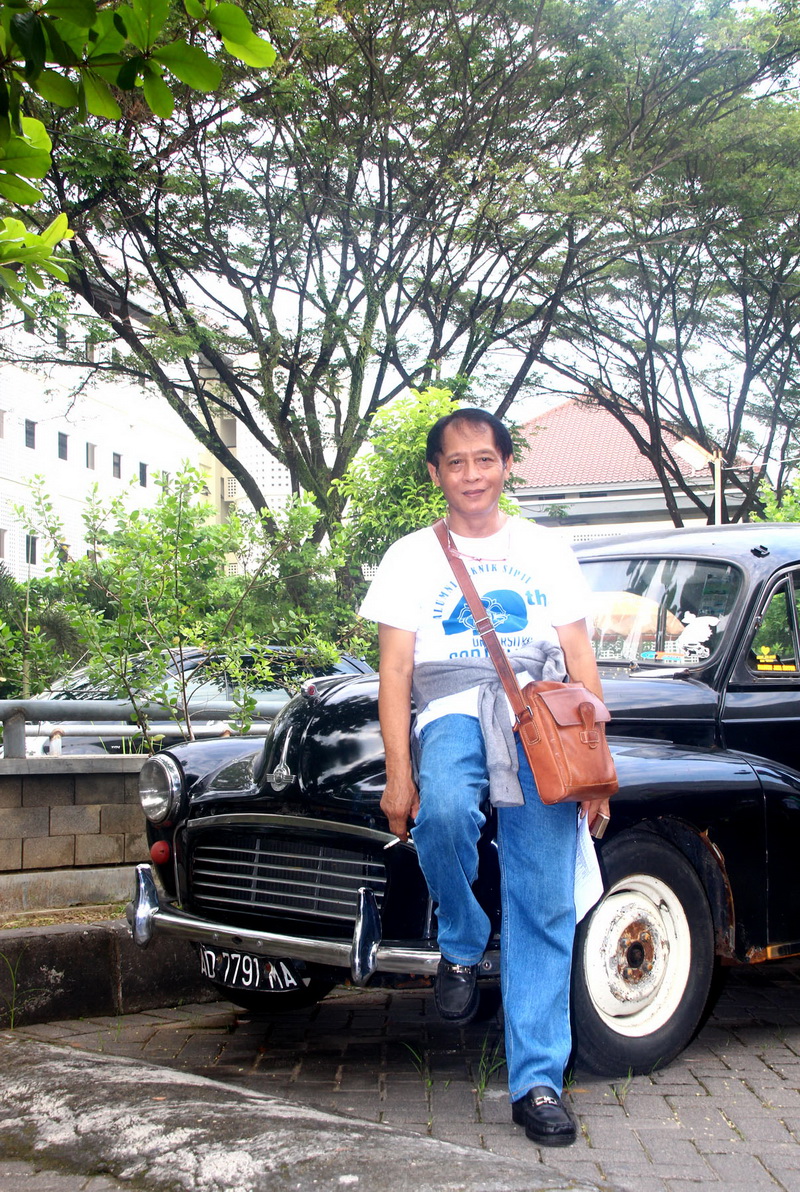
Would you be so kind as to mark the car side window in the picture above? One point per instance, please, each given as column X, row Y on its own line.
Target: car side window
column 774, row 647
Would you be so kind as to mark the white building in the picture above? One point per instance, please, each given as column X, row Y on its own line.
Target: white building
column 271, row 477
column 112, row 435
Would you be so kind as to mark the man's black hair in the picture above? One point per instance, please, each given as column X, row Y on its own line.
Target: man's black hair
column 502, row 439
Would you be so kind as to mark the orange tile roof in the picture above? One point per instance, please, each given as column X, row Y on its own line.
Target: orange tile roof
column 581, row 444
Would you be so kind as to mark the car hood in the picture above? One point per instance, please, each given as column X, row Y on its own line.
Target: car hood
column 666, row 696
column 328, row 746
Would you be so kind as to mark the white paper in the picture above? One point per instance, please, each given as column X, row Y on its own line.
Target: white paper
column 588, row 879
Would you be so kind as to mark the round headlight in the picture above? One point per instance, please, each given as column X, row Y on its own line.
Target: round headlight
column 160, row 788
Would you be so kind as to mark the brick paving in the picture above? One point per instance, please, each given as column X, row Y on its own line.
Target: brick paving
column 725, row 1113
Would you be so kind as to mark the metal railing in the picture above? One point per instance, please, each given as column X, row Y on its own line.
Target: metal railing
column 58, row 718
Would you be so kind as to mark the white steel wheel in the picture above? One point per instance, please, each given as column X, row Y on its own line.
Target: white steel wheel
column 644, row 959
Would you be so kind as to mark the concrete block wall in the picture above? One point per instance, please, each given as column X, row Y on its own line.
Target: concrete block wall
column 59, row 813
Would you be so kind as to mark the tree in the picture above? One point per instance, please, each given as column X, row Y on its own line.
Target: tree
column 779, row 507
column 388, row 489
column 37, row 639
column 71, row 53
column 694, row 329
column 152, row 584
column 416, row 187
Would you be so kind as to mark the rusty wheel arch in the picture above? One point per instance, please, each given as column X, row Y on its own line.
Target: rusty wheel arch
column 709, row 864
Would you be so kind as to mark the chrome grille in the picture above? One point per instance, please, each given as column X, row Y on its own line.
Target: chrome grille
column 259, row 874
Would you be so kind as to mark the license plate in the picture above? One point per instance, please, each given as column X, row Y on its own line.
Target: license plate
column 241, row 970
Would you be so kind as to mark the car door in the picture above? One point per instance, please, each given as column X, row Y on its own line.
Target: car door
column 761, row 715
column 761, row 706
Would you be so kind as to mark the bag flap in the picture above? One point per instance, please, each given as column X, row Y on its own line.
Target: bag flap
column 563, row 701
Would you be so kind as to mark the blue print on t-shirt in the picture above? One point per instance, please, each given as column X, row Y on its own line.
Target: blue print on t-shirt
column 506, row 609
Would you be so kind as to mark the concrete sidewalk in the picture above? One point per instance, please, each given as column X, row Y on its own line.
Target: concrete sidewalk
column 306, row 1099
column 100, row 1116
column 370, row 1090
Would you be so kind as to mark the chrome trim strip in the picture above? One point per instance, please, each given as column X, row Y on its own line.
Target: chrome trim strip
column 343, row 911
column 147, row 917
column 242, row 819
column 269, row 859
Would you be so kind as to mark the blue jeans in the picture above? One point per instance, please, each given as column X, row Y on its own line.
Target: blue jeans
column 537, row 870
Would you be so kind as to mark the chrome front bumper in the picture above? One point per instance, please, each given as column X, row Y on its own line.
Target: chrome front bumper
column 363, row 955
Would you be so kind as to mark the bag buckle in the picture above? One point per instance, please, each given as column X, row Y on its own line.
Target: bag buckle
column 589, row 734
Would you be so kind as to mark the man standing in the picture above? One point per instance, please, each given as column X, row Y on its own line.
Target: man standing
column 531, row 586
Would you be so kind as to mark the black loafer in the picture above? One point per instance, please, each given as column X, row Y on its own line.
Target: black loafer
column 544, row 1117
column 455, row 992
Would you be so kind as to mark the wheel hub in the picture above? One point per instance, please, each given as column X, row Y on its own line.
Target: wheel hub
column 635, row 951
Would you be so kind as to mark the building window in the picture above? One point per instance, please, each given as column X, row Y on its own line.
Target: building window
column 30, row 548
column 143, row 475
column 90, row 450
column 30, row 433
column 116, row 465
column 2, row 424
column 2, row 544
column 61, row 337
column 62, row 445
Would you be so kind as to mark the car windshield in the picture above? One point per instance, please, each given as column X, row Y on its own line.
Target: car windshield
column 660, row 612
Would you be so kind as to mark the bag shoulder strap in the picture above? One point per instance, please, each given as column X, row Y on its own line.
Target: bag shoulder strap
column 483, row 623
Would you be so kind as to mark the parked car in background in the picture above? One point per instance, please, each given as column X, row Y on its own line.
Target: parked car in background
column 194, row 682
column 276, row 861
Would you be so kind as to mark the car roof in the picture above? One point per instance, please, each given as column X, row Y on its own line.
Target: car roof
column 777, row 541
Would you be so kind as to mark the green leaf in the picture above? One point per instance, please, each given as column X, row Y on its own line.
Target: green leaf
column 99, row 100
column 28, row 33
column 34, row 277
column 9, row 279
column 254, row 52
column 36, row 133
column 134, row 27
column 231, row 22
column 20, row 157
column 13, row 229
column 128, row 73
column 191, row 65
column 82, row 13
column 106, row 39
column 152, row 15
column 57, row 89
column 54, row 270
column 158, row 95
column 17, row 191
column 57, row 230
column 195, row 10
column 62, row 52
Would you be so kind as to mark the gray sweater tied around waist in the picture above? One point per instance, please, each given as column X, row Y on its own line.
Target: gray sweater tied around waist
column 435, row 680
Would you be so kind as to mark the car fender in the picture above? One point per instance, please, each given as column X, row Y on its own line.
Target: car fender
column 705, row 803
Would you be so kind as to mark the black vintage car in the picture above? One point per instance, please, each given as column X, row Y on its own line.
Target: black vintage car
column 277, row 862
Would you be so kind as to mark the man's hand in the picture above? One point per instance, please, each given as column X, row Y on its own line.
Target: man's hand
column 399, row 804
column 593, row 808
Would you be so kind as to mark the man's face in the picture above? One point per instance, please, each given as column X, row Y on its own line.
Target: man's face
column 471, row 471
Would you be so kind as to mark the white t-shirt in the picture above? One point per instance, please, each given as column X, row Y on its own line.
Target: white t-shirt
column 527, row 577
